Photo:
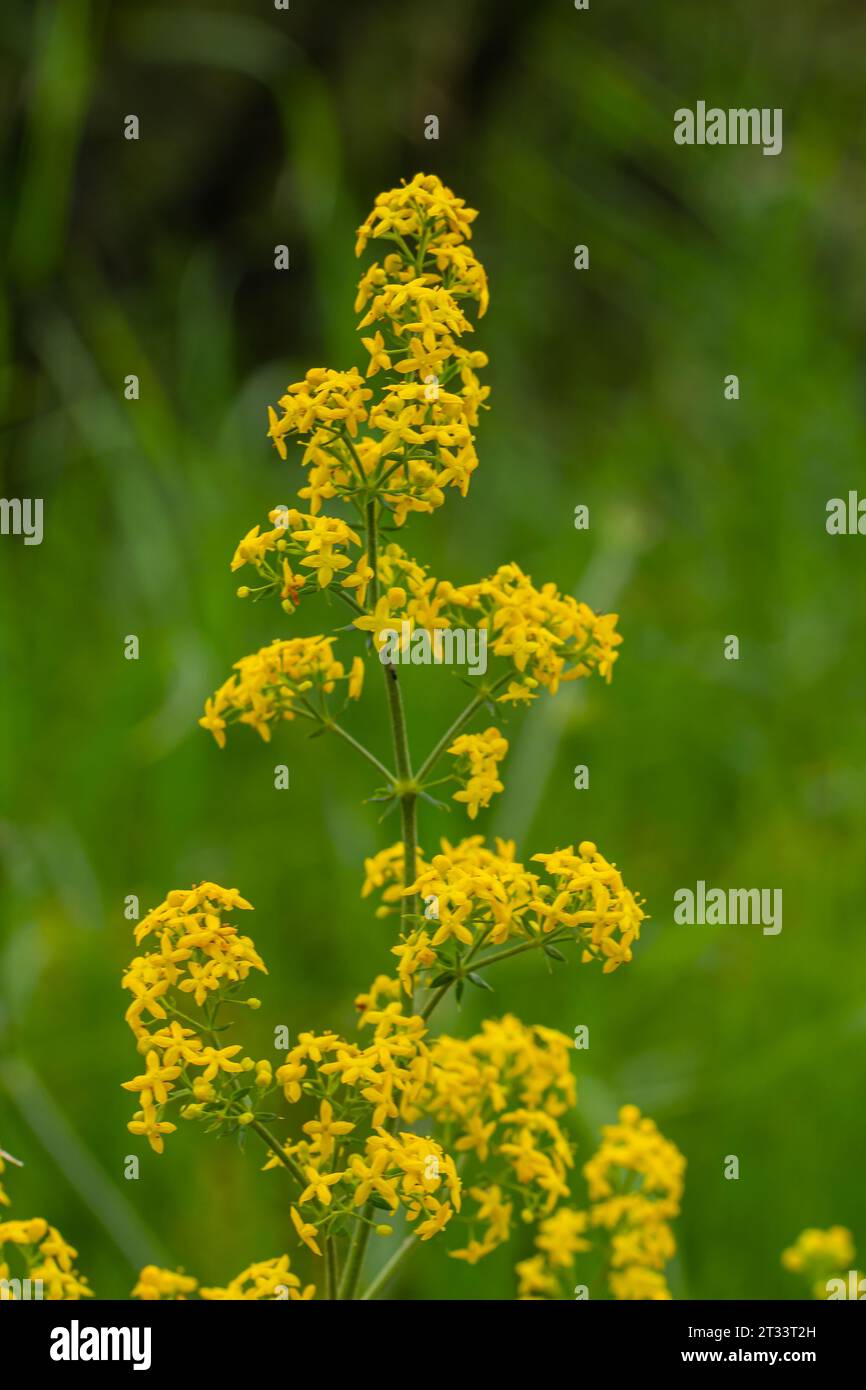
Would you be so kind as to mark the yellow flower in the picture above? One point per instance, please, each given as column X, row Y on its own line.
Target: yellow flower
column 356, row 679
column 290, row 1077
column 319, row 1185
column 213, row 721
column 146, row 1124
column 426, row 1230
column 561, row 1236
column 379, row 359
column 216, row 1060
column 534, row 1279
column 155, row 1284
column 820, row 1252
column 254, row 547
column 371, row 1180
column 155, row 1084
column 477, row 1137
column 639, row 1283
column 305, row 1230
column 326, row 1130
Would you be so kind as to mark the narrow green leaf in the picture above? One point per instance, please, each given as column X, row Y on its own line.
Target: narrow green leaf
column 553, row 953
column 480, row 981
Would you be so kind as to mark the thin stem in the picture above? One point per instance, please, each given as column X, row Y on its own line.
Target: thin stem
column 354, row 1260
column 405, row 784
column 483, row 964
column 405, row 787
column 359, row 748
column 331, row 1290
column 472, row 708
column 278, row 1151
column 435, row 999
column 371, row 552
column 311, row 713
column 517, row 950
column 352, row 602
column 408, row 795
column 354, row 455
column 389, row 1269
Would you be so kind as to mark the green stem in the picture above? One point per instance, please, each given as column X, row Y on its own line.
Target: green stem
column 371, row 553
column 359, row 748
column 448, row 737
column 483, row 964
column 311, row 713
column 408, row 796
column 389, row 1269
column 435, row 999
column 331, row 1289
column 518, row 950
column 354, row 1260
column 404, row 784
column 278, row 1151
column 406, row 788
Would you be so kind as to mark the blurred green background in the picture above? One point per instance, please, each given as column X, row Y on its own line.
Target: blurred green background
column 707, row 518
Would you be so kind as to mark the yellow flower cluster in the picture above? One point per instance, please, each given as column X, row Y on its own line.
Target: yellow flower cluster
column 48, row 1258
column 478, row 896
column 44, row 1258
column 48, row 1265
column 547, row 636
column 335, row 400
column 635, row 1186
column 318, row 543
column 155, row 1284
column 405, row 211
column 821, row 1256
column 544, row 637
column 499, row 1097
column 495, row 1098
column 345, row 1161
column 479, row 756
column 267, row 1279
column 484, row 896
column 418, row 423
column 589, row 895
column 199, row 958
column 281, row 681
column 635, row 1183
column 264, row 1280
column 497, row 1101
